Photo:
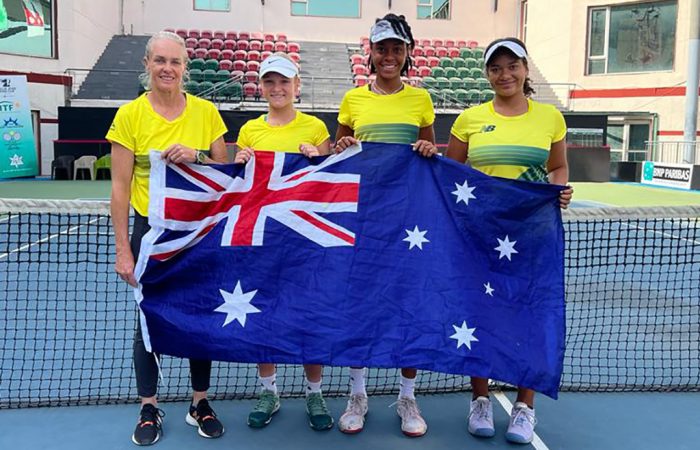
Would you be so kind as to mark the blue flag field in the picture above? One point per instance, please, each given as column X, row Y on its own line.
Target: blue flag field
column 374, row 257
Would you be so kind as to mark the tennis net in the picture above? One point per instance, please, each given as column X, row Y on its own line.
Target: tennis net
column 67, row 321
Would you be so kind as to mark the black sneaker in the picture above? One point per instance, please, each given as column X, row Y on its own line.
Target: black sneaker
column 149, row 427
column 204, row 418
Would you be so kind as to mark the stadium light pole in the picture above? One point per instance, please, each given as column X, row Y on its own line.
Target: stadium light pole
column 691, row 90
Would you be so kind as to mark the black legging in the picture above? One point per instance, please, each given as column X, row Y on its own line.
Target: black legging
column 144, row 362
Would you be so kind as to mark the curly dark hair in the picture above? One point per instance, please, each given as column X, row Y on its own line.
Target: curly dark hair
column 401, row 27
column 527, row 87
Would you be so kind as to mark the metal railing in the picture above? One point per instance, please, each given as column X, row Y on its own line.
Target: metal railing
column 673, row 151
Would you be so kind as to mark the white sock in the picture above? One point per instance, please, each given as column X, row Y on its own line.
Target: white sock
column 313, row 387
column 407, row 386
column 269, row 383
column 357, row 382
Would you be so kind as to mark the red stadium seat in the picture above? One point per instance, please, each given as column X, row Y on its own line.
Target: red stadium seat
column 217, row 44
column 281, row 46
column 182, row 33
column 200, row 53
column 361, row 80
column 449, row 43
column 269, row 37
column 213, row 54
column 190, row 53
column 255, row 45
column 243, row 44
column 253, row 66
column 251, row 76
column 193, row 33
column 366, row 49
column 264, row 55
column 230, row 44
column 360, row 69
column 233, row 35
column 256, row 35
column 226, row 64
column 293, row 47
column 429, row 51
column 438, row 43
column 420, row 61
column 240, row 65
column 461, row 44
column 268, row 46
column 244, row 35
column 433, row 61
column 227, row 54
column 356, row 58
column 240, row 55
column 418, row 51
column 170, row 30
column 254, row 55
column 440, row 52
column 364, row 40
column 281, row 37
column 412, row 72
column 208, row 34
column 453, row 52
column 250, row 89
column 294, row 57
column 239, row 74
column 218, row 34
column 426, row 43
column 415, row 81
column 191, row 42
column 472, row 44
column 204, row 43
column 424, row 71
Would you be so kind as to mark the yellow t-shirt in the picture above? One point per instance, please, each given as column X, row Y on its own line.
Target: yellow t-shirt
column 395, row 118
column 510, row 147
column 304, row 129
column 139, row 128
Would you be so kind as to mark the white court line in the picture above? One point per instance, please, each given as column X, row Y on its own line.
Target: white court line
column 9, row 217
column 662, row 233
column 508, row 406
column 48, row 238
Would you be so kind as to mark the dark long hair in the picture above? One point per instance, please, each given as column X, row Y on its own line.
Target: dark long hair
column 401, row 27
column 527, row 87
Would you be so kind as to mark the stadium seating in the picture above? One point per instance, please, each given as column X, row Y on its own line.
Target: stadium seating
column 86, row 163
column 103, row 168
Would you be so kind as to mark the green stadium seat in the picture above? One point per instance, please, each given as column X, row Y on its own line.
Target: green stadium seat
column 451, row 72
column 482, row 84
column 469, row 83
column 465, row 53
column 437, row 72
column 487, row 95
column 456, row 83
column 442, row 83
column 448, row 96
column 463, row 72
column 209, row 75
column 197, row 63
column 196, row 75
column 478, row 53
column 475, row 72
column 462, row 96
column 458, row 62
column 480, row 63
column 204, row 86
column 192, row 87
column 474, row 95
column 429, row 83
column 222, row 75
column 445, row 62
column 211, row 64
column 103, row 168
column 233, row 91
column 470, row 62
column 435, row 96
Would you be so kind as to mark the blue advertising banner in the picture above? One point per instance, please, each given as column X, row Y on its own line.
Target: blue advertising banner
column 17, row 146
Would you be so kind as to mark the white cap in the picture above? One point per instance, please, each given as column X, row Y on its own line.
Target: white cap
column 517, row 49
column 280, row 65
column 383, row 30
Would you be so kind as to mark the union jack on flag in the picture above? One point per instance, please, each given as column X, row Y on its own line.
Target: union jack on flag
column 196, row 198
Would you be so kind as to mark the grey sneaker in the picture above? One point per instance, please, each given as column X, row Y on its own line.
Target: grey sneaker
column 412, row 423
column 353, row 419
column 481, row 417
column 319, row 417
column 261, row 415
column 521, row 428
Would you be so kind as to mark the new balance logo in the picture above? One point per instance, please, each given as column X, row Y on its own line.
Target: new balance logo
column 488, row 128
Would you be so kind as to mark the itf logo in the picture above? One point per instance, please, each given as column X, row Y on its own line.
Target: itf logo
column 648, row 171
column 11, row 122
column 6, row 106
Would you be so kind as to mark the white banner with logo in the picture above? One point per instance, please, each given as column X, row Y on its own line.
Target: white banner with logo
column 667, row 174
column 17, row 146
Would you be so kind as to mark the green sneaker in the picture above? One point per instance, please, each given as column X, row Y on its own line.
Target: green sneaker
column 319, row 417
column 261, row 415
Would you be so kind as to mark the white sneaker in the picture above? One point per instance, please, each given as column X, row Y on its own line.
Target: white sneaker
column 353, row 419
column 412, row 424
column 522, row 424
column 481, row 418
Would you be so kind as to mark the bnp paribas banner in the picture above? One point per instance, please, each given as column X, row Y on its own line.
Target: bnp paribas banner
column 17, row 146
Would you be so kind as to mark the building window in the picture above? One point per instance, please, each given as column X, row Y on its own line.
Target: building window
column 434, row 9
column 638, row 37
column 212, row 5
column 628, row 139
column 326, row 8
column 27, row 28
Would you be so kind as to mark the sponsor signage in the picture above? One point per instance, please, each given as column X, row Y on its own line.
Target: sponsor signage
column 17, row 147
column 667, row 174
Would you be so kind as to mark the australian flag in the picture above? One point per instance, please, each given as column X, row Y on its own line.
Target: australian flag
column 374, row 257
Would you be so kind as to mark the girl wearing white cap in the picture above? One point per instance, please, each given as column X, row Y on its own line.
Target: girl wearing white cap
column 284, row 129
column 511, row 136
column 387, row 110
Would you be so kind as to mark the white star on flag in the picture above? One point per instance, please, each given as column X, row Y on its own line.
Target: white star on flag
column 464, row 192
column 505, row 248
column 16, row 161
column 489, row 289
column 464, row 335
column 237, row 305
column 416, row 238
